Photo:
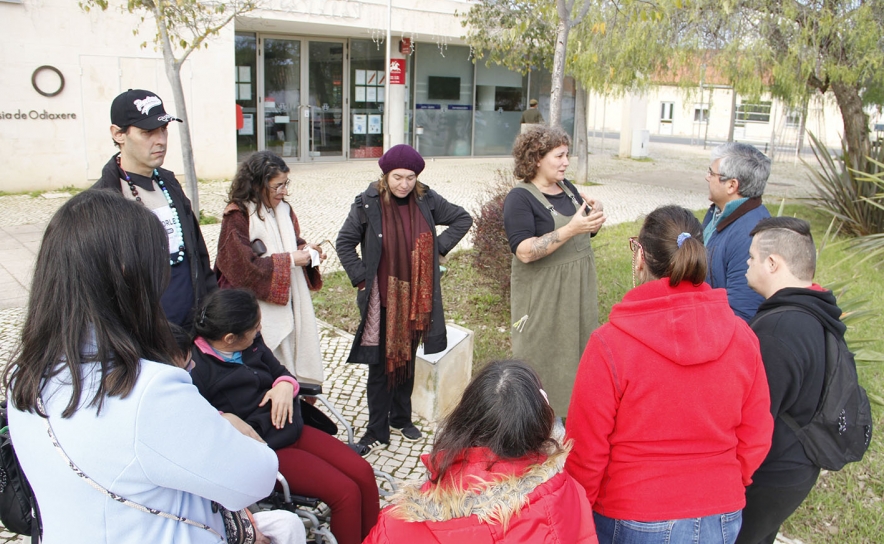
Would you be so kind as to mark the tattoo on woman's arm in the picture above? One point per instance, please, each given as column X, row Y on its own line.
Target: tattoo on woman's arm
column 540, row 246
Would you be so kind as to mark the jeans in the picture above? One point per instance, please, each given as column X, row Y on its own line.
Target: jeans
column 716, row 529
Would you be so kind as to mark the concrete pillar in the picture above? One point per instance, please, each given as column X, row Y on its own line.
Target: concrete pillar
column 395, row 131
column 634, row 117
column 440, row 378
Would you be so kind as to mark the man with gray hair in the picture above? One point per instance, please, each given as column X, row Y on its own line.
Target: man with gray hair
column 736, row 178
column 791, row 327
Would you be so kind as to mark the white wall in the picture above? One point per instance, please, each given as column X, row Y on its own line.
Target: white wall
column 823, row 119
column 99, row 57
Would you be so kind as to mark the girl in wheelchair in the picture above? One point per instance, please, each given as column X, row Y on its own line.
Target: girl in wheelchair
column 238, row 374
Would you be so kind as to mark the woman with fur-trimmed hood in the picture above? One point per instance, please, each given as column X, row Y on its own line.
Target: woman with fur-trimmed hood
column 496, row 473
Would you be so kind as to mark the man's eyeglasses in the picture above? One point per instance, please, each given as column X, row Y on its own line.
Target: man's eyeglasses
column 282, row 187
column 710, row 172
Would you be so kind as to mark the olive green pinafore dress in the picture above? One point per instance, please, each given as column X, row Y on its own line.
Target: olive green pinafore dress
column 554, row 305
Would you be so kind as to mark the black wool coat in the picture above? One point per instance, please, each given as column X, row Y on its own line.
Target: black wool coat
column 363, row 228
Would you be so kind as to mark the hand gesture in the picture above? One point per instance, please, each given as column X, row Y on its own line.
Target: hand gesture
column 281, row 402
column 581, row 223
column 597, row 216
column 242, row 426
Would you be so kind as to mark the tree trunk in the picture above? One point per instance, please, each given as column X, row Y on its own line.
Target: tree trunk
column 581, row 149
column 733, row 120
column 802, row 126
column 173, row 73
column 558, row 74
column 856, row 123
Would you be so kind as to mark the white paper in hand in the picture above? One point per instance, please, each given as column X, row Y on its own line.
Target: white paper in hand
column 314, row 256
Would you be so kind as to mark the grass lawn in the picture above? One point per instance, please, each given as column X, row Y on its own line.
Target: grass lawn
column 845, row 506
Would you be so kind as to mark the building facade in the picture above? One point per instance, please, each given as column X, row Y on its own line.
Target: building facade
column 307, row 79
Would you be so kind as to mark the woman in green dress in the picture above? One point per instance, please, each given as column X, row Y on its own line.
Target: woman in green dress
column 554, row 296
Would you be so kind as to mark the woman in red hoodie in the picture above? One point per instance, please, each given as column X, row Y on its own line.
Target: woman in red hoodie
column 671, row 410
column 496, row 474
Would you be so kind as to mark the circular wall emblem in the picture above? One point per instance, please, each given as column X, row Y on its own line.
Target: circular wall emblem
column 46, row 80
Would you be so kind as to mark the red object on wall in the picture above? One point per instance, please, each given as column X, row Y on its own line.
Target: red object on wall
column 397, row 71
column 239, row 120
column 405, row 46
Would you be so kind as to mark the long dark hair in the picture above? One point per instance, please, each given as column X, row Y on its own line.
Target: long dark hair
column 503, row 410
column 253, row 177
column 101, row 270
column 659, row 241
column 227, row 311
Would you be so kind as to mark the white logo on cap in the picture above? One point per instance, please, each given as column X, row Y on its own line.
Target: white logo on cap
column 165, row 118
column 144, row 106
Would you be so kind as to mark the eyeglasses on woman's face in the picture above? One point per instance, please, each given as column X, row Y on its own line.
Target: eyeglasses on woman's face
column 634, row 245
column 280, row 187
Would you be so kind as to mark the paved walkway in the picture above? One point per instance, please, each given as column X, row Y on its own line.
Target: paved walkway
column 321, row 195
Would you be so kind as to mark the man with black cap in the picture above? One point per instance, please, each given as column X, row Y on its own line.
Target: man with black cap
column 532, row 115
column 139, row 128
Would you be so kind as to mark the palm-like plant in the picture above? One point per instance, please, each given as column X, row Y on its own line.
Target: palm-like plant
column 853, row 197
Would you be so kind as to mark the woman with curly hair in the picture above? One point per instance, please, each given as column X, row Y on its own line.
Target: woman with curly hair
column 260, row 248
column 554, row 297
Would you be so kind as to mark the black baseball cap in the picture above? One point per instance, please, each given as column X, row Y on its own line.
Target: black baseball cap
column 140, row 108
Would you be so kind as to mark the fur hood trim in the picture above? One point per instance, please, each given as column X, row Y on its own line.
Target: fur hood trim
column 493, row 502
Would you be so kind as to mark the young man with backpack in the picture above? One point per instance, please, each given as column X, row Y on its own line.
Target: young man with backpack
column 821, row 414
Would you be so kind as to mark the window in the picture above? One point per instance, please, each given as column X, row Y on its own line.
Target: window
column 666, row 109
column 701, row 113
column 754, row 113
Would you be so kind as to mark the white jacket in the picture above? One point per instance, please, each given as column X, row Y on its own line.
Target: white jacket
column 162, row 446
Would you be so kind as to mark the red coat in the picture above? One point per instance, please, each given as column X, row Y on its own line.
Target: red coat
column 671, row 411
column 536, row 500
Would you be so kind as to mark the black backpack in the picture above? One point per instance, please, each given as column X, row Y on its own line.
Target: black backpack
column 18, row 506
column 840, row 430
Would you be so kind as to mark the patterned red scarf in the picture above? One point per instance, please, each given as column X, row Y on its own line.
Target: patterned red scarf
column 408, row 253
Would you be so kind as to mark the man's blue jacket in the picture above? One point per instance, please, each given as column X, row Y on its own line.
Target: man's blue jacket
column 728, row 250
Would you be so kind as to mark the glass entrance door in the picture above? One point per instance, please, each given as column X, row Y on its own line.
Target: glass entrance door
column 327, row 124
column 282, row 97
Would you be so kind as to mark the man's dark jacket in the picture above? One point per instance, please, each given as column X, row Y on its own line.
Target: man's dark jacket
column 201, row 274
column 793, row 348
column 728, row 249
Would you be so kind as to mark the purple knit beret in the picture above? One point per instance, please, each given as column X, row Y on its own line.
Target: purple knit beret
column 402, row 156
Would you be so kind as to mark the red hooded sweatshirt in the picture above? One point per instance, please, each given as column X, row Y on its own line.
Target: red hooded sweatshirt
column 670, row 414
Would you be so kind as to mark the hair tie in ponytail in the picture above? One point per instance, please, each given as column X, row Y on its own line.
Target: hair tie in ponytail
column 681, row 238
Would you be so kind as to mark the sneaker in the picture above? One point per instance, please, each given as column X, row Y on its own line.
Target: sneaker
column 368, row 443
column 409, row 432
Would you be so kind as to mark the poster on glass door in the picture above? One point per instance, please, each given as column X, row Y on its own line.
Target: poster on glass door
column 374, row 124
column 359, row 123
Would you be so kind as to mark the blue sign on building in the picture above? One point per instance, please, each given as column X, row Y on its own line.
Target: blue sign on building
column 461, row 107
column 428, row 106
